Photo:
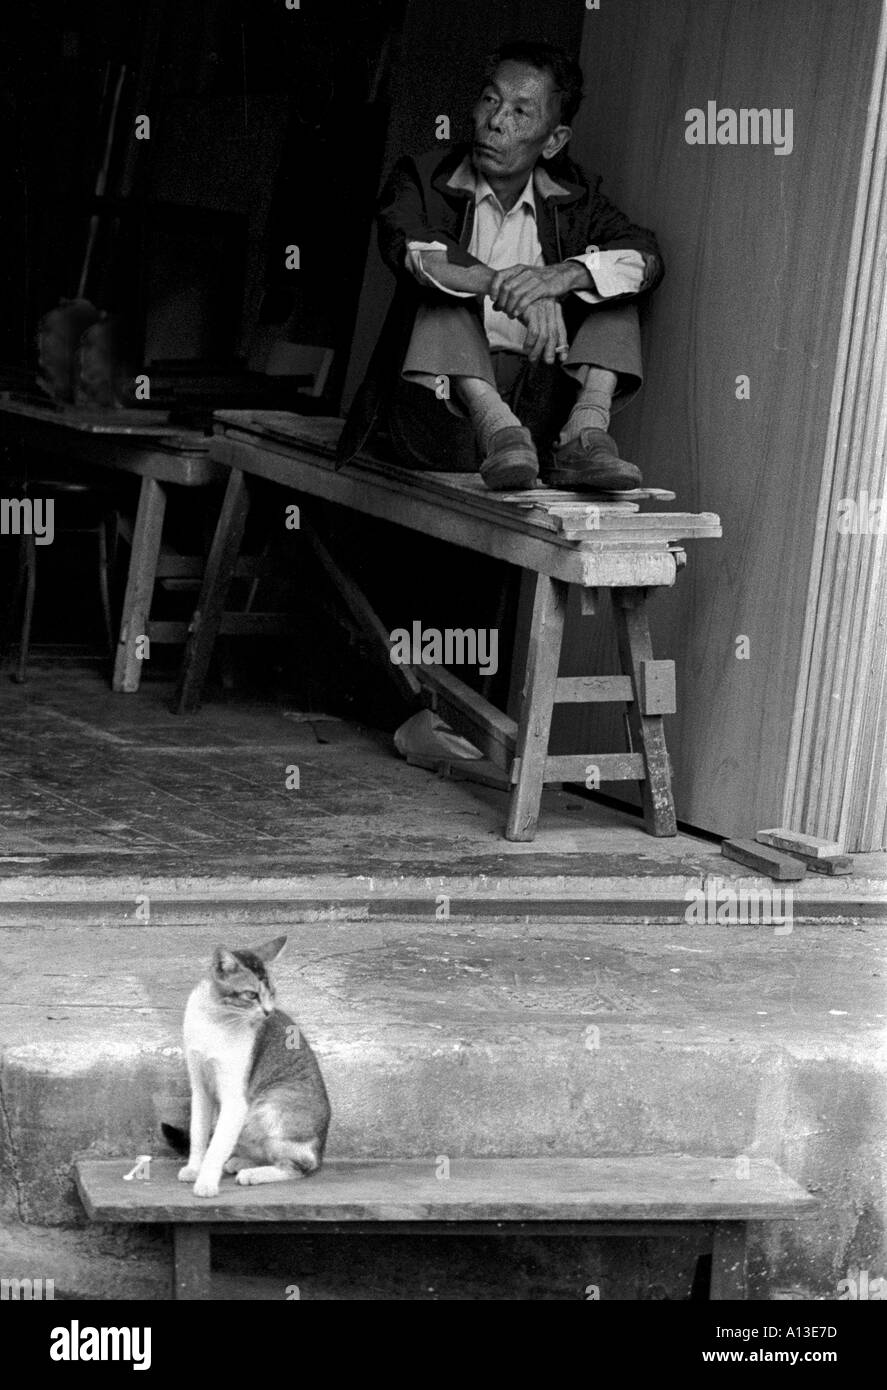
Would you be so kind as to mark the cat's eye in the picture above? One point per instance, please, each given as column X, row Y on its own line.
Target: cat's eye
column 248, row 994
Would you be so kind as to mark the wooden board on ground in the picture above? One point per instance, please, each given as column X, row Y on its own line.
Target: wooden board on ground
column 764, row 860
column 670, row 1188
column 793, row 842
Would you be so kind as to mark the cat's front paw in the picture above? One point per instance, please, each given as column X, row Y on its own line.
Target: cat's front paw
column 187, row 1174
column 206, row 1187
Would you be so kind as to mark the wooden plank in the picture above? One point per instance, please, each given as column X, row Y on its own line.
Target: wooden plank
column 493, row 732
column 647, row 734
column 172, row 456
column 584, row 689
column 610, row 767
column 658, row 687
column 534, row 721
column 835, row 864
column 520, row 645
column 832, row 864
column 220, row 567
column 793, row 842
column 139, row 585
column 455, row 518
column 642, row 1188
column 764, row 860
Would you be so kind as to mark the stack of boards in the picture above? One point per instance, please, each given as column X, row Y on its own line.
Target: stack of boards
column 786, row 855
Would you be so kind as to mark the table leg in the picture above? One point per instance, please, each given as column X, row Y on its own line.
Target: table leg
column 647, row 732
column 191, row 1263
column 217, row 578
column 534, row 723
column 728, row 1255
column 139, row 584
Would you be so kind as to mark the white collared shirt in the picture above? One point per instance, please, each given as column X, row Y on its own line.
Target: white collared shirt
column 501, row 239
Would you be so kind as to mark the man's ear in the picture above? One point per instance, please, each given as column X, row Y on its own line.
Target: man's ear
column 556, row 141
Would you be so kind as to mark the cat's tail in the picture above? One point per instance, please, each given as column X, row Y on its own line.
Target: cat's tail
column 176, row 1138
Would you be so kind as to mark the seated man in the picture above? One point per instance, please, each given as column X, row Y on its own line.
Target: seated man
column 513, row 333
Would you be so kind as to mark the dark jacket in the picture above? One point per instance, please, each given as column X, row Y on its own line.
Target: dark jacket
column 417, row 204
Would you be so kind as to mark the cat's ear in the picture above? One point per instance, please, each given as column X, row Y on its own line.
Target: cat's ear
column 224, row 961
column 270, row 950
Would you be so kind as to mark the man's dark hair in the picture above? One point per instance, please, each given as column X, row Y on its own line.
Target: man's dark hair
column 566, row 74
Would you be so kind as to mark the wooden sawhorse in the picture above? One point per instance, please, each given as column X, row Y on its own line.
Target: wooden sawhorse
column 559, row 539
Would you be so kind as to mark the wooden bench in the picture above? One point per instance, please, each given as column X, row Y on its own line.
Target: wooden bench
column 710, row 1199
column 557, row 539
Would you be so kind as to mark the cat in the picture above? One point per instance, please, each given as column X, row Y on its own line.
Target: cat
column 251, row 1067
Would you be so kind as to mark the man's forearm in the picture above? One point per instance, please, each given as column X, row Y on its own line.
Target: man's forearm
column 463, row 279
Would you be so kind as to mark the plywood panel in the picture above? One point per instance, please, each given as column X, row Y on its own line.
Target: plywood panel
column 757, row 250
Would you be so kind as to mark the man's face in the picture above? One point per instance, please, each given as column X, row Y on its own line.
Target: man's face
column 516, row 121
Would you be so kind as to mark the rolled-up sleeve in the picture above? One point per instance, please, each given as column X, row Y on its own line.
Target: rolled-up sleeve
column 416, row 267
column 613, row 273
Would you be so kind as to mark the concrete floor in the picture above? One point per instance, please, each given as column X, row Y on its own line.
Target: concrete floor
column 521, row 1024
column 105, row 798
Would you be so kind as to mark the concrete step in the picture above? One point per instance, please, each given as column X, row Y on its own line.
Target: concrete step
column 442, row 1038
column 606, row 888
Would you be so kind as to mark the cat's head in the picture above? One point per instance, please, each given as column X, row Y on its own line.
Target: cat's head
column 241, row 982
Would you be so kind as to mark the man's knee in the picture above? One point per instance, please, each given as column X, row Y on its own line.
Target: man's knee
column 447, row 340
column 608, row 336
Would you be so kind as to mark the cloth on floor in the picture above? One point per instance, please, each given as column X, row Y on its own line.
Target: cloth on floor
column 426, row 735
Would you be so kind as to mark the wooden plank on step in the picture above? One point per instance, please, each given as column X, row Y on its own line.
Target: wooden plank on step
column 772, row 862
column 830, row 864
column 793, row 842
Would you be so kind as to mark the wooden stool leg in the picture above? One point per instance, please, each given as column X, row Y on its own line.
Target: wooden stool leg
column 534, row 723
column 139, row 584
column 647, row 732
column 30, row 564
column 217, row 578
column 728, row 1258
column 191, row 1264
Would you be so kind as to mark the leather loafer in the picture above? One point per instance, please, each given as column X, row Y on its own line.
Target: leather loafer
column 592, row 461
column 512, row 462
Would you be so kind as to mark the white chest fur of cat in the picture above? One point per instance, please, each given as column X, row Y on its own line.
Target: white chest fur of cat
column 259, row 1108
